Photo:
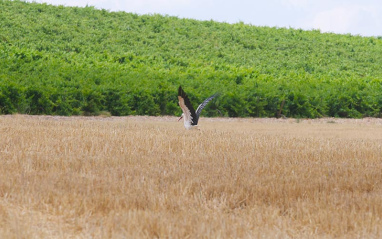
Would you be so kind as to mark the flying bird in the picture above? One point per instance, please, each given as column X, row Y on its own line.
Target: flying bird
column 190, row 116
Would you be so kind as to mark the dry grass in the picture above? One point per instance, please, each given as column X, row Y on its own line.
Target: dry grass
column 144, row 177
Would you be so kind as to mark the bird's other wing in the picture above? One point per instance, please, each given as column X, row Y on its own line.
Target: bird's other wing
column 202, row 105
column 186, row 106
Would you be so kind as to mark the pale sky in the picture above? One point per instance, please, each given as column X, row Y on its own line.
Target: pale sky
column 357, row 17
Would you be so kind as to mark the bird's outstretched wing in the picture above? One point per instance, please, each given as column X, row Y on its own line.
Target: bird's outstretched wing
column 202, row 105
column 188, row 110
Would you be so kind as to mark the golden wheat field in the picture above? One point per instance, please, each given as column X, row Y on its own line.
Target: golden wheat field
column 147, row 177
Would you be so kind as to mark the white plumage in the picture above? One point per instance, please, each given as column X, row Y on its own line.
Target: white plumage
column 190, row 116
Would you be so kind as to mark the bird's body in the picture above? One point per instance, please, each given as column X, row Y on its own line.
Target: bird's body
column 190, row 116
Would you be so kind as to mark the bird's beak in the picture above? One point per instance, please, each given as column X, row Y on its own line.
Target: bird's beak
column 180, row 117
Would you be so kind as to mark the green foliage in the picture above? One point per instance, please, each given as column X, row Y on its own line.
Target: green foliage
column 91, row 102
column 38, row 101
column 69, row 61
column 11, row 97
column 116, row 102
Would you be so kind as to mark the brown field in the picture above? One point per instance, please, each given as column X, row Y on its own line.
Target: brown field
column 147, row 177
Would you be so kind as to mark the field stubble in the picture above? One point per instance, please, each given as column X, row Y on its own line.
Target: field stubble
column 146, row 177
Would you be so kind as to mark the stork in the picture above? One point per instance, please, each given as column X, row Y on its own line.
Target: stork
column 190, row 116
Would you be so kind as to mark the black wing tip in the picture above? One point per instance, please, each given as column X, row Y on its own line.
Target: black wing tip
column 214, row 96
column 180, row 90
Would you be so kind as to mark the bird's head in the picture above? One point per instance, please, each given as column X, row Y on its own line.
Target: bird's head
column 181, row 116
